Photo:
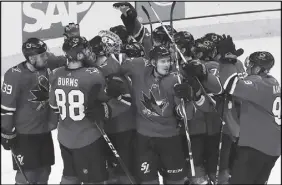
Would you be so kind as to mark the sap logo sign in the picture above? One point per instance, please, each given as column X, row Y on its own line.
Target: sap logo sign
column 46, row 20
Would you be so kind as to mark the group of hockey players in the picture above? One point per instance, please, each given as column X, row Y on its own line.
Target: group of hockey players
column 129, row 105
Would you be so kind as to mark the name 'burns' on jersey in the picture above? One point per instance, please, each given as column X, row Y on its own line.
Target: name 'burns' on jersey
column 69, row 92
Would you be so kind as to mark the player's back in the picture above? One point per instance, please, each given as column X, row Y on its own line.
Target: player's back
column 71, row 91
column 260, row 114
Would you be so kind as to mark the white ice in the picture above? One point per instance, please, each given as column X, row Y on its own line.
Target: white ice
column 271, row 44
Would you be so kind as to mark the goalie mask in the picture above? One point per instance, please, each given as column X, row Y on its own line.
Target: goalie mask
column 259, row 62
column 78, row 49
column 161, row 60
column 111, row 42
column 35, row 52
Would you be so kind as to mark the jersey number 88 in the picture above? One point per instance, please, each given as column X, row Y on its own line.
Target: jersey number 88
column 69, row 101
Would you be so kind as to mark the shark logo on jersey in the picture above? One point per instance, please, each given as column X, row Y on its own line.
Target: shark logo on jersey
column 40, row 92
column 154, row 106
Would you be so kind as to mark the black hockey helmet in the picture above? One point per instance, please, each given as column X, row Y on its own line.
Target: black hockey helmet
column 134, row 49
column 97, row 45
column 263, row 59
column 159, row 35
column 204, row 49
column 158, row 51
column 215, row 38
column 33, row 46
column 184, row 39
column 74, row 46
column 121, row 31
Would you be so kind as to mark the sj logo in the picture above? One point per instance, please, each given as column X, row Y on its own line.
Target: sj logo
column 145, row 167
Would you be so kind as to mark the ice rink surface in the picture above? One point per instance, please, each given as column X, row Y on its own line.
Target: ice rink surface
column 271, row 44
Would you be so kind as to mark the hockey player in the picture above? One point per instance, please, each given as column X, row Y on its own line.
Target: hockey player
column 206, row 137
column 158, row 141
column 26, row 118
column 136, row 30
column 121, row 129
column 260, row 112
column 78, row 92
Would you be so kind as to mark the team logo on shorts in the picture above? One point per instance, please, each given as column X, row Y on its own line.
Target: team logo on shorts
column 145, row 167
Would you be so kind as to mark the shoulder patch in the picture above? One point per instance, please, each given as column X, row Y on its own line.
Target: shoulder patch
column 146, row 62
column 16, row 69
column 92, row 70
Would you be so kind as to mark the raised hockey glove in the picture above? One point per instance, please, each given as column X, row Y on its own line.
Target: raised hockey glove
column 71, row 30
column 226, row 48
column 115, row 86
column 129, row 14
column 195, row 68
column 8, row 139
column 183, row 90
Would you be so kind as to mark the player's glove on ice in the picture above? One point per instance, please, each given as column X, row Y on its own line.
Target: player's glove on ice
column 115, row 86
column 71, row 30
column 129, row 14
column 195, row 68
column 8, row 139
column 226, row 48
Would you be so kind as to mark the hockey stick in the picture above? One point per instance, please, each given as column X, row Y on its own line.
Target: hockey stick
column 171, row 14
column 123, row 166
column 19, row 166
column 182, row 104
column 149, row 18
column 220, row 142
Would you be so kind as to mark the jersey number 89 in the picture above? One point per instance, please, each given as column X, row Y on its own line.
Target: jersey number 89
column 70, row 103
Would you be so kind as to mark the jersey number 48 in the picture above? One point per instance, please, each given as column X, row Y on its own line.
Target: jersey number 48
column 73, row 102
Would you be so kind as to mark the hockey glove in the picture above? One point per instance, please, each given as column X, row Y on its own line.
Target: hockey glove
column 184, row 91
column 98, row 112
column 71, row 30
column 195, row 68
column 195, row 87
column 226, row 48
column 115, row 87
column 129, row 14
column 8, row 139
